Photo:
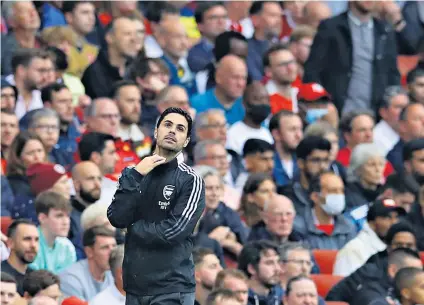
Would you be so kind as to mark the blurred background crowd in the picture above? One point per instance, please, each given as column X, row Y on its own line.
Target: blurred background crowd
column 308, row 132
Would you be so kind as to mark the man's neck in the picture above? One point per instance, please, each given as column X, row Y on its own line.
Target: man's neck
column 235, row 15
column 48, row 236
column 25, row 38
column 224, row 99
column 201, row 294
column 81, row 201
column 361, row 16
column 17, row 264
column 283, row 283
column 96, row 272
column 282, row 153
column 250, row 123
column 304, row 182
column 169, row 155
column 368, row 186
column 23, row 91
column 258, row 287
column 284, row 89
column 259, row 35
column 173, row 59
column 116, row 60
column 322, row 217
column 124, row 126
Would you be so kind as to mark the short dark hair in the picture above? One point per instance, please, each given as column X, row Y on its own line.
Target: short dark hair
column 92, row 142
column 223, row 43
column 7, row 278
column 348, row 117
column 48, row 200
column 294, row 280
column 47, row 92
column 225, row 273
column 413, row 75
column 120, row 84
column 220, row 294
column 401, row 184
column 69, row 6
column 252, row 252
column 179, row 111
column 404, row 113
column 411, row 147
column 13, row 227
column 89, row 236
column 59, row 57
column 274, row 123
column 309, row 144
column 140, row 67
column 38, row 280
column 24, row 57
column 389, row 93
column 254, row 146
column 156, row 9
column 257, row 6
column 405, row 278
column 399, row 256
column 200, row 253
column 274, row 48
column 401, row 226
column 203, row 7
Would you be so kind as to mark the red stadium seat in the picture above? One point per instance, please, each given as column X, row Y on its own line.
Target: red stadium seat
column 336, row 303
column 5, row 223
column 325, row 282
column 422, row 256
column 325, row 260
column 231, row 263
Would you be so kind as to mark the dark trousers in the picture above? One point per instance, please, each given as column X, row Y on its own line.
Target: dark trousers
column 177, row 298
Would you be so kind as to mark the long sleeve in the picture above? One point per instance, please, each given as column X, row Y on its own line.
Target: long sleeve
column 182, row 219
column 122, row 211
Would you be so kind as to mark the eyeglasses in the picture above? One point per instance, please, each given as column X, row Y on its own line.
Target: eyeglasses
column 300, row 262
column 47, row 127
column 317, row 160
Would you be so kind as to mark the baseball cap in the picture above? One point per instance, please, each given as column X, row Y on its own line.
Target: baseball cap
column 383, row 208
column 43, row 176
column 312, row 92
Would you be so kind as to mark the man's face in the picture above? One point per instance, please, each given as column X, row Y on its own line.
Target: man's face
column 268, row 270
column 404, row 240
column 129, row 104
column 49, row 73
column 334, row 140
column 8, row 98
column 417, row 162
column 296, row 8
column 383, row 224
column 263, row 194
column 416, row 292
column 215, row 130
column 362, row 131
column 216, row 156
column 25, row 16
column 100, row 251
column 414, row 125
column 140, row 31
column 88, row 184
column 330, row 184
column 302, row 49
column 8, row 293
column 207, row 271
column 315, row 164
column 175, row 42
column 172, row 133
column 123, row 37
column 62, row 187
column 392, row 113
column 233, row 83
column 298, row 262
column 107, row 118
column 36, row 73
column 47, row 128
column 53, row 292
column 290, row 132
column 213, row 191
column 304, row 292
column 238, row 286
column 269, row 20
column 109, row 157
column 417, row 89
column 279, row 219
column 9, row 128
column 56, row 221
column 239, row 47
column 214, row 22
column 24, row 244
column 83, row 18
column 282, row 67
column 261, row 162
column 177, row 97
column 364, row 7
column 62, row 103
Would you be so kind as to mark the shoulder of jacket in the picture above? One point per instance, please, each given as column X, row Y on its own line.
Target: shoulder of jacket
column 187, row 172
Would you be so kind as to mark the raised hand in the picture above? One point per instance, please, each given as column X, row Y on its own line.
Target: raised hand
column 149, row 163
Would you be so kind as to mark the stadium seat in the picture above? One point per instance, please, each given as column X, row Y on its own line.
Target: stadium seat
column 231, row 263
column 325, row 282
column 5, row 223
column 422, row 256
column 325, row 260
column 336, row 303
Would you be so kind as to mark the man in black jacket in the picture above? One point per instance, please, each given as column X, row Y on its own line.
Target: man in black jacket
column 160, row 202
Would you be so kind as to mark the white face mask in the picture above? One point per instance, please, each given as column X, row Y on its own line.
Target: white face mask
column 334, row 204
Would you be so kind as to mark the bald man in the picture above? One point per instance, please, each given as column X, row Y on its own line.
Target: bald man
column 315, row 12
column 231, row 79
column 87, row 180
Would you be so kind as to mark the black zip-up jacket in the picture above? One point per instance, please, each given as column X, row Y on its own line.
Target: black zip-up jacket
column 160, row 211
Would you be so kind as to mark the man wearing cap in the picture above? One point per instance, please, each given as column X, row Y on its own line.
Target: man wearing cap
column 382, row 214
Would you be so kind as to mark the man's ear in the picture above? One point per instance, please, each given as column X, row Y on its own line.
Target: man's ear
column 251, row 269
column 88, row 251
column 197, row 276
column 42, row 217
column 155, row 134
column 314, row 197
column 301, row 164
column 96, row 157
column 186, row 142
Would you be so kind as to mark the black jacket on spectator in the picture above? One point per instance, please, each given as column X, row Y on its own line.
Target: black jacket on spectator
column 372, row 271
column 356, row 195
column 410, row 37
column 6, row 267
column 330, row 60
column 416, row 218
column 99, row 77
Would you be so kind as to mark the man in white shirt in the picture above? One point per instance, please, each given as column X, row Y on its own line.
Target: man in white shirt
column 382, row 214
column 115, row 293
column 386, row 132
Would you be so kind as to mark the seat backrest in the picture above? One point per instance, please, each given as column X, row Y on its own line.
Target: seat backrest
column 336, row 303
column 325, row 260
column 325, row 282
column 422, row 256
column 5, row 223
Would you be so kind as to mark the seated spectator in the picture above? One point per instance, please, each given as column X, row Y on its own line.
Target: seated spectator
column 312, row 159
column 301, row 288
column 381, row 215
column 109, row 66
column 314, row 12
column 365, row 175
column 42, row 283
column 415, row 81
column 401, row 235
column 56, row 251
column 258, row 157
column 325, row 130
column 323, row 225
column 408, row 280
column 88, row 277
column 256, row 103
column 386, row 132
column 8, row 293
column 45, row 123
column 234, row 280
column 257, row 191
column 260, row 261
column 206, row 269
column 300, row 43
column 115, row 293
column 9, row 130
column 416, row 218
column 219, row 221
column 403, row 189
column 9, row 95
column 230, row 76
column 412, row 156
column 22, row 240
column 222, row 297
column 287, row 131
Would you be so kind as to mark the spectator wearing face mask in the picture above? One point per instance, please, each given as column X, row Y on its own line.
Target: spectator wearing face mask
column 323, row 225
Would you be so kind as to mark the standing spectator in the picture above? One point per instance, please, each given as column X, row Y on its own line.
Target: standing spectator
column 266, row 19
column 9, row 130
column 9, row 95
column 256, row 103
column 24, row 21
column 300, row 46
column 292, row 17
column 110, row 64
column 88, row 277
column 56, row 251
column 8, row 293
column 314, row 12
column 301, row 289
column 115, row 293
column 361, row 78
column 415, row 82
column 22, row 240
column 234, row 280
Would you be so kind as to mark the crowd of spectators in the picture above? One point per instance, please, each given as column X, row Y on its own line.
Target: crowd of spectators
column 309, row 138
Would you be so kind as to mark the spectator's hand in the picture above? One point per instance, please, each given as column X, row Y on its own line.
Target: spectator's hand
column 231, row 236
column 3, row 237
column 149, row 163
column 84, row 101
column 220, row 233
column 391, row 12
